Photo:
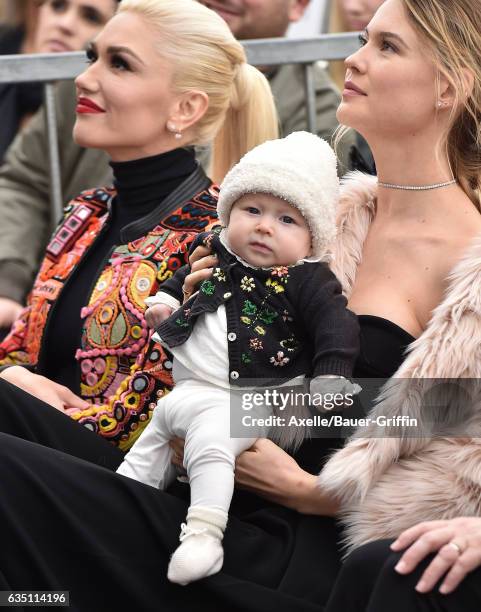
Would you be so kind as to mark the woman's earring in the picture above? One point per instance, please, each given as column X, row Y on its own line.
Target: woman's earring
column 441, row 104
column 171, row 127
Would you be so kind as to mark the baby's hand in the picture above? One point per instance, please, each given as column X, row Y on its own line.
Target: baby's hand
column 333, row 386
column 156, row 314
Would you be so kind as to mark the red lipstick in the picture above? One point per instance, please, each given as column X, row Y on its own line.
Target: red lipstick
column 86, row 106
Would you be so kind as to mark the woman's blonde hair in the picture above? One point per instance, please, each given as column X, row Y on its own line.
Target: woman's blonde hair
column 205, row 56
column 451, row 31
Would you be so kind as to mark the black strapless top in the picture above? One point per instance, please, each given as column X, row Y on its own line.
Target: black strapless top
column 382, row 347
column 382, row 350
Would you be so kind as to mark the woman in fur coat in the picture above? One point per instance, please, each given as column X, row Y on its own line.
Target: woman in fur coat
column 409, row 250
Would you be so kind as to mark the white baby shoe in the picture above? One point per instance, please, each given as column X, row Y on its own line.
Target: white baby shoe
column 201, row 553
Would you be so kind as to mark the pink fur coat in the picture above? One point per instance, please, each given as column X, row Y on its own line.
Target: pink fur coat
column 387, row 484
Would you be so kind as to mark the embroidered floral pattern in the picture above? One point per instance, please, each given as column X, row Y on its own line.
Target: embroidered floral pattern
column 181, row 322
column 260, row 330
column 256, row 344
column 246, row 320
column 286, row 316
column 245, row 358
column 207, row 287
column 273, row 284
column 247, row 283
column 290, row 344
column 268, row 315
column 279, row 359
column 281, row 272
column 219, row 274
column 249, row 308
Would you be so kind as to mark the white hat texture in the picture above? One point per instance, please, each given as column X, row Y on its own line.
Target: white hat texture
column 300, row 169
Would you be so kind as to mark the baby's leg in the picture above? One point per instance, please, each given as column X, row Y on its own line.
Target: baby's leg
column 209, row 457
column 210, row 454
column 149, row 459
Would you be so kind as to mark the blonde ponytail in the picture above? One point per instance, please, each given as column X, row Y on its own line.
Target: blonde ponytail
column 250, row 120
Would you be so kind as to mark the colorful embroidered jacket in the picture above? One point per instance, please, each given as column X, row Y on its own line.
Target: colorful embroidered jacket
column 282, row 322
column 122, row 372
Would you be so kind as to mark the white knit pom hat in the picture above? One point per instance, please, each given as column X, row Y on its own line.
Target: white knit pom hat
column 300, row 169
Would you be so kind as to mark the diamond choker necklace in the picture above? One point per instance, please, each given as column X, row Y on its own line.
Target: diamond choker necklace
column 416, row 187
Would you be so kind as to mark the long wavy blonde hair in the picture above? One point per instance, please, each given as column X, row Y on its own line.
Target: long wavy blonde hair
column 206, row 56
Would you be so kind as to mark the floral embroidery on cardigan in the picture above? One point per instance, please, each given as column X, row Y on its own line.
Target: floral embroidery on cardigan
column 219, row 275
column 207, row 287
column 247, row 284
column 279, row 359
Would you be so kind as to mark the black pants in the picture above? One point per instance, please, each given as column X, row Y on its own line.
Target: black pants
column 369, row 583
column 67, row 522
column 23, row 416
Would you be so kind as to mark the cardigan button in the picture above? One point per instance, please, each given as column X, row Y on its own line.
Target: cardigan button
column 231, row 336
column 234, row 375
column 227, row 295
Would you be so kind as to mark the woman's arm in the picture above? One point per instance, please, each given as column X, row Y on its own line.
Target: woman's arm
column 268, row 471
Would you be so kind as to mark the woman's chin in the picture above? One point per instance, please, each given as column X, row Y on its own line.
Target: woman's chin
column 345, row 115
column 83, row 138
column 348, row 117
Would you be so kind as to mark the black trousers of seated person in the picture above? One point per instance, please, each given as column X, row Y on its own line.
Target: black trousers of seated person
column 369, row 583
column 26, row 417
column 68, row 522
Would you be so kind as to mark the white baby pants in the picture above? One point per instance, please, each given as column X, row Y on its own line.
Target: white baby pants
column 199, row 412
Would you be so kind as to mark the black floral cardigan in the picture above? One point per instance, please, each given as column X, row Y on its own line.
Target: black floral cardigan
column 282, row 322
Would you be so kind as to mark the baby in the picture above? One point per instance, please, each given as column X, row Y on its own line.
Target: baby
column 270, row 315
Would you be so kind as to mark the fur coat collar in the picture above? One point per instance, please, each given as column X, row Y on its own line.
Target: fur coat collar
column 391, row 478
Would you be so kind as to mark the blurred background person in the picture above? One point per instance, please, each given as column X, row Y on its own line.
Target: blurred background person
column 349, row 16
column 48, row 26
column 18, row 25
column 249, row 19
column 17, row 35
column 313, row 22
column 352, row 16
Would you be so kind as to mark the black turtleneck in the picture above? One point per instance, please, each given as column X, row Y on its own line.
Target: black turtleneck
column 142, row 185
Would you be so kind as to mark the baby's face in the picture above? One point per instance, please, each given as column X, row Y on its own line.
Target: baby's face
column 267, row 231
